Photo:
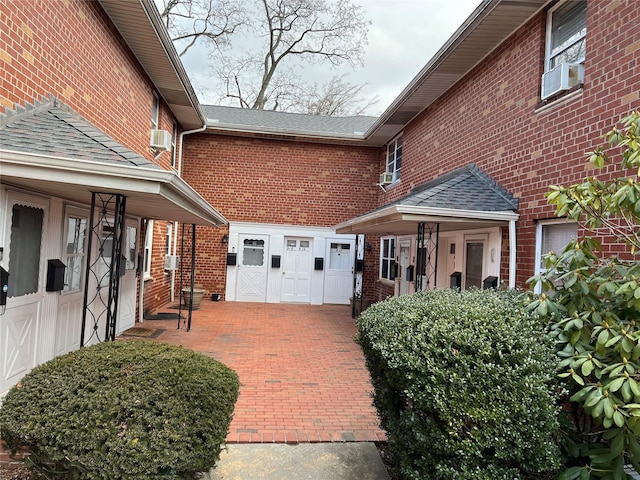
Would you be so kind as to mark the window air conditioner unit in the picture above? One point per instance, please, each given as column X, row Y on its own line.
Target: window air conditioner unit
column 386, row 178
column 160, row 140
column 561, row 77
column 171, row 262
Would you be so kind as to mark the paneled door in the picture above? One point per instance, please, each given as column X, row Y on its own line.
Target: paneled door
column 338, row 277
column 19, row 325
column 296, row 270
column 128, row 282
column 251, row 284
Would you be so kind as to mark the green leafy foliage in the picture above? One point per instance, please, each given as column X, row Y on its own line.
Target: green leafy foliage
column 125, row 409
column 593, row 306
column 464, row 385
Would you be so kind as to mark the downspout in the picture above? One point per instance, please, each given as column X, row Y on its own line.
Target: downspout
column 512, row 254
column 175, row 224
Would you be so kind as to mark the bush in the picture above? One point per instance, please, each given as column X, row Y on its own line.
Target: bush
column 463, row 384
column 125, row 409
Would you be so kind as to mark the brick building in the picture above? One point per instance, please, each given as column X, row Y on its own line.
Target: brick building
column 444, row 188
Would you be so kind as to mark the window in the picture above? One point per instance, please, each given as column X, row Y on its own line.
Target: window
column 148, row 242
column 24, row 250
column 75, row 254
column 552, row 237
column 155, row 112
column 388, row 259
column 253, row 252
column 394, row 158
column 566, row 33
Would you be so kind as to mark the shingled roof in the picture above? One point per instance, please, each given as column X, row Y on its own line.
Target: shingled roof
column 284, row 123
column 51, row 128
column 467, row 188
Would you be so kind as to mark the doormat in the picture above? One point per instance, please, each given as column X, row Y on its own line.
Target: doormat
column 143, row 332
column 161, row 316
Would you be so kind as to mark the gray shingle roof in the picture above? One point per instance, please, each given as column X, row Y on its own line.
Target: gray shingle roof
column 467, row 188
column 286, row 123
column 51, row 128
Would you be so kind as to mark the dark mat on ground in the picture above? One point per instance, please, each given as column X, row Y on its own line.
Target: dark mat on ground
column 185, row 308
column 143, row 332
column 161, row 316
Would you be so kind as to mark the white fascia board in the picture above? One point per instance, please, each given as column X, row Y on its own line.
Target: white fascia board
column 108, row 176
column 431, row 214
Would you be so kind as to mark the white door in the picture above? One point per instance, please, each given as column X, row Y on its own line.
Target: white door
column 404, row 261
column 251, row 285
column 296, row 270
column 338, row 277
column 128, row 282
column 71, row 303
column 23, row 259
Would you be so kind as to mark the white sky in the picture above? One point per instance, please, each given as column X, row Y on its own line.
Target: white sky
column 403, row 36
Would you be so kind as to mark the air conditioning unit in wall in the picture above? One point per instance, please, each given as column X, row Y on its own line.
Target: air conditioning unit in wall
column 171, row 262
column 386, row 178
column 561, row 77
column 160, row 140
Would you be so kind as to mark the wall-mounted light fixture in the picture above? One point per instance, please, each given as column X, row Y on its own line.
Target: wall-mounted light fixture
column 367, row 247
column 225, row 238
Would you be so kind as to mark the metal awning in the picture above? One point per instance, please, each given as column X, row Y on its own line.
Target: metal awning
column 150, row 192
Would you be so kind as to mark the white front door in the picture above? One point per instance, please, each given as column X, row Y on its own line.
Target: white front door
column 128, row 282
column 21, row 320
column 71, row 303
column 404, row 261
column 296, row 270
column 338, row 277
column 252, row 268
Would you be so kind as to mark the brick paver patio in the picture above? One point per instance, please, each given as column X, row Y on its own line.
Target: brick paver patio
column 303, row 379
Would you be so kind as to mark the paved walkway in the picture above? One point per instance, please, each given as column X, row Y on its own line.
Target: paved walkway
column 303, row 378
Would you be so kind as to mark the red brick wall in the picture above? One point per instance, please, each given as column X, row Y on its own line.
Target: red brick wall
column 70, row 49
column 277, row 182
column 490, row 118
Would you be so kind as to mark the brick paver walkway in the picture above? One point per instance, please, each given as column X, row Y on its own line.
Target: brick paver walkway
column 303, row 378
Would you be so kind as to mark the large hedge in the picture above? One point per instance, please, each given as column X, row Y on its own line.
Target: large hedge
column 464, row 385
column 125, row 409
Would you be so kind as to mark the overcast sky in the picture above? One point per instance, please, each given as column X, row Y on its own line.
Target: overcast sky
column 403, row 36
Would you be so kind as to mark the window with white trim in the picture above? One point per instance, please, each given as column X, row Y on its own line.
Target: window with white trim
column 552, row 236
column 394, row 158
column 148, row 243
column 388, row 258
column 566, row 33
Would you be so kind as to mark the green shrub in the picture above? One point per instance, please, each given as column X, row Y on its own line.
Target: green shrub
column 125, row 409
column 593, row 305
column 463, row 384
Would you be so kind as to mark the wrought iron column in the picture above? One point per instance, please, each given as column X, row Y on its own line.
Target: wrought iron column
column 427, row 255
column 107, row 225
column 358, row 275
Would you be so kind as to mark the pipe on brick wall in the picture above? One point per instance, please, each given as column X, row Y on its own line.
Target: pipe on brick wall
column 175, row 224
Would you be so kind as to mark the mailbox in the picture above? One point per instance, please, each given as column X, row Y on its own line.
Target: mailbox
column 275, row 261
column 490, row 282
column 232, row 258
column 455, row 280
column 319, row 263
column 55, row 275
column 359, row 265
column 409, row 274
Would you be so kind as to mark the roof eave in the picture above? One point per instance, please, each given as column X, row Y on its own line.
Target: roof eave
column 444, row 70
column 140, row 25
column 74, row 180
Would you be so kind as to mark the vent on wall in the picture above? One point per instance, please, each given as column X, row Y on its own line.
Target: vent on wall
column 160, row 140
column 561, row 77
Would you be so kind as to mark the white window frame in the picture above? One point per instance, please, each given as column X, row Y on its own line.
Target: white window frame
column 74, row 212
column 388, row 256
column 394, row 157
column 539, row 238
column 148, row 247
column 577, row 37
column 155, row 112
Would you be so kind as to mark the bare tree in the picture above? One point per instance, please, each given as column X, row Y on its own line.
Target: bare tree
column 189, row 21
column 337, row 98
column 291, row 34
